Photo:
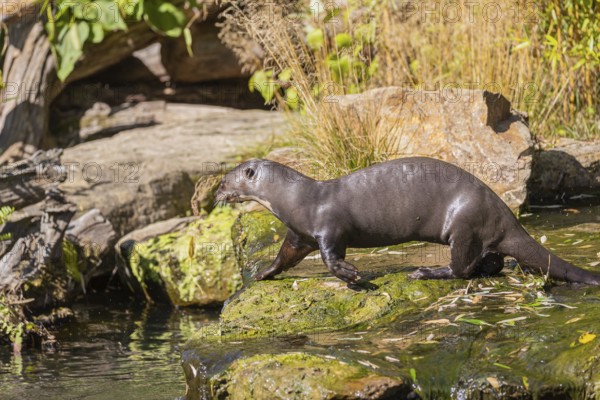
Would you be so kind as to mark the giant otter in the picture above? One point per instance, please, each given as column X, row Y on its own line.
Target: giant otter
column 397, row 201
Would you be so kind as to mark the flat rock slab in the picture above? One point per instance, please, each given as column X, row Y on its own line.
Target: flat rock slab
column 145, row 175
column 492, row 338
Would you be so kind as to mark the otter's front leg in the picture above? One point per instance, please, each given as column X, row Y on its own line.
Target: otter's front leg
column 333, row 254
column 292, row 251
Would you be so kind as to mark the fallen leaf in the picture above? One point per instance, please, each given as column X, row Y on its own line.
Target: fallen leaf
column 442, row 321
column 572, row 210
column 368, row 364
column 476, row 299
column 573, row 320
column 275, row 237
column 413, row 375
column 502, row 366
column 511, row 321
column 474, row 321
column 494, row 382
column 526, row 382
column 586, row 338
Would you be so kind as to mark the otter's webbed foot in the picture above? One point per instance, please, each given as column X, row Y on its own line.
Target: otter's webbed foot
column 345, row 271
column 433, row 273
column 268, row 273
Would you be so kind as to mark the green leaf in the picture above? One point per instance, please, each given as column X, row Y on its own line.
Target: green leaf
column 285, row 75
column 551, row 41
column 340, row 67
column 502, row 366
column 50, row 26
column 413, row 375
column 68, row 50
column 292, row 98
column 343, row 40
column 164, row 17
column 109, row 15
column 83, row 32
column 256, row 80
column 263, row 82
column 187, row 36
column 133, row 9
column 373, row 67
column 315, row 39
column 472, row 321
column 97, row 33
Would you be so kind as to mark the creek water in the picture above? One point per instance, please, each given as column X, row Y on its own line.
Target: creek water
column 114, row 349
column 117, row 348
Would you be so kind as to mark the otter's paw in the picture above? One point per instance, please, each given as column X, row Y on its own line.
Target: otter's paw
column 348, row 275
column 264, row 275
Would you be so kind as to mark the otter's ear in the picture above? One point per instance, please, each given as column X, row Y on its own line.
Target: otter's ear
column 249, row 173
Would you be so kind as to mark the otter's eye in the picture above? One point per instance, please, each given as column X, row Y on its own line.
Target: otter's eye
column 249, row 173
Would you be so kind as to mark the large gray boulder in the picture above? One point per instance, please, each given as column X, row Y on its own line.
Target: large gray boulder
column 567, row 171
column 144, row 175
column 474, row 129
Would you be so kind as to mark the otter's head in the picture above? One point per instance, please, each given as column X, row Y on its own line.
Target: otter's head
column 243, row 182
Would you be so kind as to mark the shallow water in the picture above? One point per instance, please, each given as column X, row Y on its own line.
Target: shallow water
column 120, row 349
column 113, row 350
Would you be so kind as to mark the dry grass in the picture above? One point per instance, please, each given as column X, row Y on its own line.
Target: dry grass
column 502, row 54
column 411, row 48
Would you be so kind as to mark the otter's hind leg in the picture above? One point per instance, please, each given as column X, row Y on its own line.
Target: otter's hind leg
column 292, row 251
column 464, row 258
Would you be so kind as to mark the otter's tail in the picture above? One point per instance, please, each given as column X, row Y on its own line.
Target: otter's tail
column 534, row 256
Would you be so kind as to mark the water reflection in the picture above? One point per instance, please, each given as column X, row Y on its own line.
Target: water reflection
column 115, row 349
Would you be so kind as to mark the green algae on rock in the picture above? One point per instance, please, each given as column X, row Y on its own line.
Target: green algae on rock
column 502, row 339
column 257, row 237
column 303, row 376
column 292, row 306
column 194, row 266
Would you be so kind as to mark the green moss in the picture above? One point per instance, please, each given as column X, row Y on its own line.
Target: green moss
column 275, row 308
column 257, row 237
column 194, row 266
column 297, row 376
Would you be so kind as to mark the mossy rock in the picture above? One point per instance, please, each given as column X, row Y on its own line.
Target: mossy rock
column 471, row 350
column 257, row 237
column 293, row 306
column 193, row 266
column 303, row 376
